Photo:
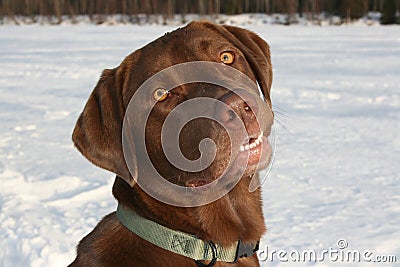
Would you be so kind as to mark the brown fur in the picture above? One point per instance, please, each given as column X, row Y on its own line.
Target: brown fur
column 97, row 135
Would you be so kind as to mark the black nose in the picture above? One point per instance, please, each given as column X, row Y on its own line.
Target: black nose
column 241, row 108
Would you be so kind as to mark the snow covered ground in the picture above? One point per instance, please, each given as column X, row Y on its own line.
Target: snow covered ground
column 336, row 174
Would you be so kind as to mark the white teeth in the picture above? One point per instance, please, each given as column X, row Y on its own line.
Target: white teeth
column 259, row 138
column 253, row 144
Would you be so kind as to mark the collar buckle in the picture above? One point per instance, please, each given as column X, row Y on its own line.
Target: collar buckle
column 246, row 250
column 214, row 255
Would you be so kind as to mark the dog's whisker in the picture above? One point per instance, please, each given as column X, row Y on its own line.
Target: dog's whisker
column 284, row 113
column 281, row 109
column 281, row 113
column 283, row 126
column 281, row 119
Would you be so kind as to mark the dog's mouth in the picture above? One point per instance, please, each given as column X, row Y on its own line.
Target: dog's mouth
column 254, row 154
column 254, row 151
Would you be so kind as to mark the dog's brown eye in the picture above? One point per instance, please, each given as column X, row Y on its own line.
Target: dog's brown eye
column 227, row 57
column 160, row 94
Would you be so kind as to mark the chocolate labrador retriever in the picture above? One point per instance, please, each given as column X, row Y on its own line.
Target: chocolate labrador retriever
column 146, row 231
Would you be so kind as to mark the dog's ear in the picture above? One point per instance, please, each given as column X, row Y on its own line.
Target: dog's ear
column 257, row 52
column 98, row 131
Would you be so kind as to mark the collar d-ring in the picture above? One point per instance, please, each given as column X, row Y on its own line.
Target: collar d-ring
column 214, row 259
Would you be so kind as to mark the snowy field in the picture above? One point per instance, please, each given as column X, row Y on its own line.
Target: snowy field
column 336, row 94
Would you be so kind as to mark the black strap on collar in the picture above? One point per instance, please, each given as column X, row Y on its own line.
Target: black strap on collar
column 244, row 250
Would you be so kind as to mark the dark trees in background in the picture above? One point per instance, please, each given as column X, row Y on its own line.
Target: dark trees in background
column 351, row 9
column 388, row 12
column 98, row 10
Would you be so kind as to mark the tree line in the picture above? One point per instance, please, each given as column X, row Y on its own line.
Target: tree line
column 98, row 10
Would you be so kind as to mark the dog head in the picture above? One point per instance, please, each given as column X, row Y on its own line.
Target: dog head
column 98, row 133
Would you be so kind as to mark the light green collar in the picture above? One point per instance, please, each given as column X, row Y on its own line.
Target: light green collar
column 182, row 243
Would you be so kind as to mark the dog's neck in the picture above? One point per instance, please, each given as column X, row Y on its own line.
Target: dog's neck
column 236, row 216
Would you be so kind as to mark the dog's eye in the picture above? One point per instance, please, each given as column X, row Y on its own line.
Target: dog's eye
column 227, row 57
column 160, row 94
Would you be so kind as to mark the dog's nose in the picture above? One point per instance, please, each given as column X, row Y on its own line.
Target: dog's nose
column 241, row 108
